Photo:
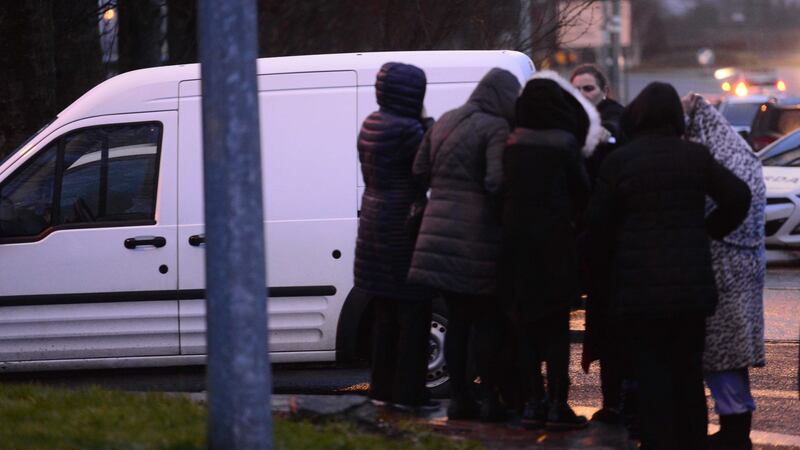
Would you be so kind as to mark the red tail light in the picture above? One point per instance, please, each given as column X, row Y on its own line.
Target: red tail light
column 762, row 141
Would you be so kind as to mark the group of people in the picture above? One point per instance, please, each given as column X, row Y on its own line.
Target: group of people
column 513, row 205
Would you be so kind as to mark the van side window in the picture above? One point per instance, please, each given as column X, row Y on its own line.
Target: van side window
column 99, row 176
column 109, row 174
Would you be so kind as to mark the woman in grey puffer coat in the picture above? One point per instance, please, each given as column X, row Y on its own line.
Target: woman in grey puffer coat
column 461, row 160
column 735, row 332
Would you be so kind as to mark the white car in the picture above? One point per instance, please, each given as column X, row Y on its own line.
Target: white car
column 781, row 162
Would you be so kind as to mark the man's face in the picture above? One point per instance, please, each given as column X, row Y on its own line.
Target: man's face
column 589, row 88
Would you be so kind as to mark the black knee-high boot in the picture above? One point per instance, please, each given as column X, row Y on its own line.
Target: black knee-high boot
column 733, row 434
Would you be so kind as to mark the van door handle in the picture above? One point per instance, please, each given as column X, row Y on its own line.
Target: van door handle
column 156, row 241
column 197, row 240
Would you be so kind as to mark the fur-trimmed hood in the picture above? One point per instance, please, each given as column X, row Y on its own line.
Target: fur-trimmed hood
column 593, row 133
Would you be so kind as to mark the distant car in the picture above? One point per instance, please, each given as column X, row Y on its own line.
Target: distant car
column 781, row 161
column 740, row 111
column 742, row 84
column 773, row 120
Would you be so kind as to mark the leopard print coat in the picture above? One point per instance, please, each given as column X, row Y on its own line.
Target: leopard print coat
column 735, row 332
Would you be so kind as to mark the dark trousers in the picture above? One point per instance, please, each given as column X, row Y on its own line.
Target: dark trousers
column 667, row 356
column 400, row 350
column 480, row 317
column 547, row 341
column 613, row 367
column 611, row 381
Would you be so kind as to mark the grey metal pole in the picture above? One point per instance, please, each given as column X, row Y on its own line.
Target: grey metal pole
column 615, row 29
column 239, row 379
column 605, row 50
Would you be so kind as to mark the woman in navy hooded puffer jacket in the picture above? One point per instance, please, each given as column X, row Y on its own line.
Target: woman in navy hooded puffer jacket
column 387, row 145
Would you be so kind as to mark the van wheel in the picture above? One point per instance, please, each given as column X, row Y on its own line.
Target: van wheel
column 438, row 377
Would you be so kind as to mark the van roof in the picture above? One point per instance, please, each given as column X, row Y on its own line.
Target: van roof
column 156, row 89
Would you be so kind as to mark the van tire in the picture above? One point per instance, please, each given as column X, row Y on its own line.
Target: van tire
column 438, row 378
column 354, row 337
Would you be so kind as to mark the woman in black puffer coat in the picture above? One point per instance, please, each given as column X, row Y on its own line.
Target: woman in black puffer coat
column 387, row 145
column 649, row 208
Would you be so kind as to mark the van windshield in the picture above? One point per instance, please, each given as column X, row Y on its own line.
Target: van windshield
column 25, row 142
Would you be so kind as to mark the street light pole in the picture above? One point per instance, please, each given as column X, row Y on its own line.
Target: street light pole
column 614, row 28
column 239, row 379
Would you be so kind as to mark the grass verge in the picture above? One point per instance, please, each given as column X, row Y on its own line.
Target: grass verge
column 39, row 417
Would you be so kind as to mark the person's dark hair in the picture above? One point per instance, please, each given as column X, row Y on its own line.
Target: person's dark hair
column 656, row 110
column 593, row 70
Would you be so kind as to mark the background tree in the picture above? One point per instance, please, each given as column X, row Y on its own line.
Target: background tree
column 139, row 34
column 181, row 31
column 27, row 69
column 49, row 56
column 50, row 51
column 331, row 26
column 318, row 26
column 77, row 54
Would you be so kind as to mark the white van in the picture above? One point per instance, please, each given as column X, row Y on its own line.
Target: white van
column 101, row 214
